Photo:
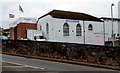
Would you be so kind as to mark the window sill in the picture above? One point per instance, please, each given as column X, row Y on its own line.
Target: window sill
column 66, row 36
column 78, row 36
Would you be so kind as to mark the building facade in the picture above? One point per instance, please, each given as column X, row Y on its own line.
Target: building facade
column 18, row 29
column 119, row 15
column 71, row 27
column 119, row 9
column 108, row 28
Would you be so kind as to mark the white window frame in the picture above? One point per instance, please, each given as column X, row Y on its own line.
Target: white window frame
column 78, row 30
column 65, row 29
column 47, row 28
column 90, row 27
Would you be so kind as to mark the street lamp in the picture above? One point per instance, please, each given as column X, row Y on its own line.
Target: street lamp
column 112, row 24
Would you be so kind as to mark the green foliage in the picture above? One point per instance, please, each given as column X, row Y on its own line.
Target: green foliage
column 5, row 33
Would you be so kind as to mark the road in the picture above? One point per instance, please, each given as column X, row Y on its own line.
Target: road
column 43, row 64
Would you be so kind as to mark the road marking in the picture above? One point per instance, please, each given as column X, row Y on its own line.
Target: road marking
column 14, row 66
column 42, row 68
column 65, row 63
column 76, row 65
column 24, row 65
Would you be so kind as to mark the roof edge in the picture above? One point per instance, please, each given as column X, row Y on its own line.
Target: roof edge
column 110, row 18
column 98, row 19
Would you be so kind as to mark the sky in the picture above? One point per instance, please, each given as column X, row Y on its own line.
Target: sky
column 37, row 8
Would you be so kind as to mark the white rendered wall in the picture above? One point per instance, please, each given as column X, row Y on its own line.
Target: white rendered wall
column 119, row 9
column 119, row 17
column 56, row 30
column 90, row 35
column 108, row 28
column 43, row 21
column 58, row 24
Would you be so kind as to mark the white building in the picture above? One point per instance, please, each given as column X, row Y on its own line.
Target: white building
column 23, row 20
column 18, row 28
column 108, row 28
column 119, row 15
column 72, row 27
column 119, row 9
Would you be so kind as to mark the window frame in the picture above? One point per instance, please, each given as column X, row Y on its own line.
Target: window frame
column 47, row 28
column 90, row 27
column 78, row 30
column 40, row 27
column 66, row 29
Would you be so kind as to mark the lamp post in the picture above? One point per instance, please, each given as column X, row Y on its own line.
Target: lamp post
column 112, row 24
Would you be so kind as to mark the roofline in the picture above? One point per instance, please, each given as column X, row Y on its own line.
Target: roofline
column 45, row 15
column 69, row 11
column 109, row 18
column 26, row 23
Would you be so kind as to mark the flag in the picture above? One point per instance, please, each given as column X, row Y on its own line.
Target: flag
column 20, row 8
column 11, row 15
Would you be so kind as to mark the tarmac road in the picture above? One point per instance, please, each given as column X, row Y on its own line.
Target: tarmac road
column 49, row 65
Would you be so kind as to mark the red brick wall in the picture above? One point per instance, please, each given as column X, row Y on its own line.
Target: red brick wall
column 20, row 30
column 11, row 33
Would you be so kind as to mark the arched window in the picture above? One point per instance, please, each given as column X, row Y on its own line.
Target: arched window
column 40, row 27
column 78, row 30
column 65, row 29
column 47, row 28
column 90, row 27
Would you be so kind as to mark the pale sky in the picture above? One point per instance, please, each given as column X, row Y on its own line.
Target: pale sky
column 37, row 8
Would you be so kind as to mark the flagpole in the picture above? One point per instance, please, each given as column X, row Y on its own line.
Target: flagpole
column 19, row 12
column 11, row 16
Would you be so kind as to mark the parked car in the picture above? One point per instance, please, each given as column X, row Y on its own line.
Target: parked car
column 4, row 38
column 24, row 39
column 39, row 38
